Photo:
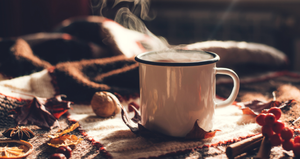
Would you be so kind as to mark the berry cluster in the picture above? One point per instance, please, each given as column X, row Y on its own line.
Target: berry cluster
column 277, row 132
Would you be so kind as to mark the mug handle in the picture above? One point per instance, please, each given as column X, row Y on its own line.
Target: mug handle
column 235, row 89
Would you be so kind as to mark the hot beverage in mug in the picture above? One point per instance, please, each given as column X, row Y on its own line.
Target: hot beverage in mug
column 177, row 57
column 177, row 88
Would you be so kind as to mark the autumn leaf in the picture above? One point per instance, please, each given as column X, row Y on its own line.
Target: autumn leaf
column 198, row 133
column 70, row 129
column 64, row 140
column 61, row 138
column 133, row 124
column 256, row 106
column 42, row 112
column 56, row 106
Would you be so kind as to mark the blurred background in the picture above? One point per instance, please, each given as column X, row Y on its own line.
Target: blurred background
column 271, row 22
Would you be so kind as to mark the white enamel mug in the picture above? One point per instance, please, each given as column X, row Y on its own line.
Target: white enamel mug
column 177, row 88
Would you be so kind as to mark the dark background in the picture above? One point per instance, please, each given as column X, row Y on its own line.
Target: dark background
column 271, row 22
column 21, row 17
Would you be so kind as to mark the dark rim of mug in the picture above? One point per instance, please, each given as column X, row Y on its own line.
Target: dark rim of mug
column 215, row 58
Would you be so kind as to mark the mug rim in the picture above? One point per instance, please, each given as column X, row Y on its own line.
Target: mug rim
column 215, row 58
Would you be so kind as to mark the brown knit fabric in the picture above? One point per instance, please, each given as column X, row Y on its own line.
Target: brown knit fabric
column 81, row 79
column 82, row 57
column 18, row 59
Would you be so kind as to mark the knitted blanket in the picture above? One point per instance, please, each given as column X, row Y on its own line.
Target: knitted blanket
column 116, row 139
column 91, row 54
column 120, row 142
column 78, row 62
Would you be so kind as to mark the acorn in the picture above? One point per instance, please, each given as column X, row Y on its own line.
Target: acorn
column 105, row 104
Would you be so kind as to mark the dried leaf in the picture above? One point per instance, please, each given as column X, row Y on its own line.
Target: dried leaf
column 61, row 138
column 42, row 112
column 70, row 129
column 34, row 113
column 255, row 107
column 56, row 106
column 64, row 140
column 137, row 116
column 131, row 123
column 198, row 133
column 248, row 111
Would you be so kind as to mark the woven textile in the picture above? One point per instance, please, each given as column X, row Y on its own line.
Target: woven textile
column 120, row 142
column 116, row 137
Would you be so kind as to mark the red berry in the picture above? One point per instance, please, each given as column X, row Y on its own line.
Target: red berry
column 296, row 149
column 286, row 133
column 57, row 156
column 297, row 139
column 266, row 130
column 270, row 119
column 276, row 111
column 275, row 140
column 288, row 145
column 66, row 150
column 278, row 126
column 260, row 119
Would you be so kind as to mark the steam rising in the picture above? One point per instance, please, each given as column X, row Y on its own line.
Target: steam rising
column 132, row 22
column 128, row 19
column 141, row 6
column 99, row 4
